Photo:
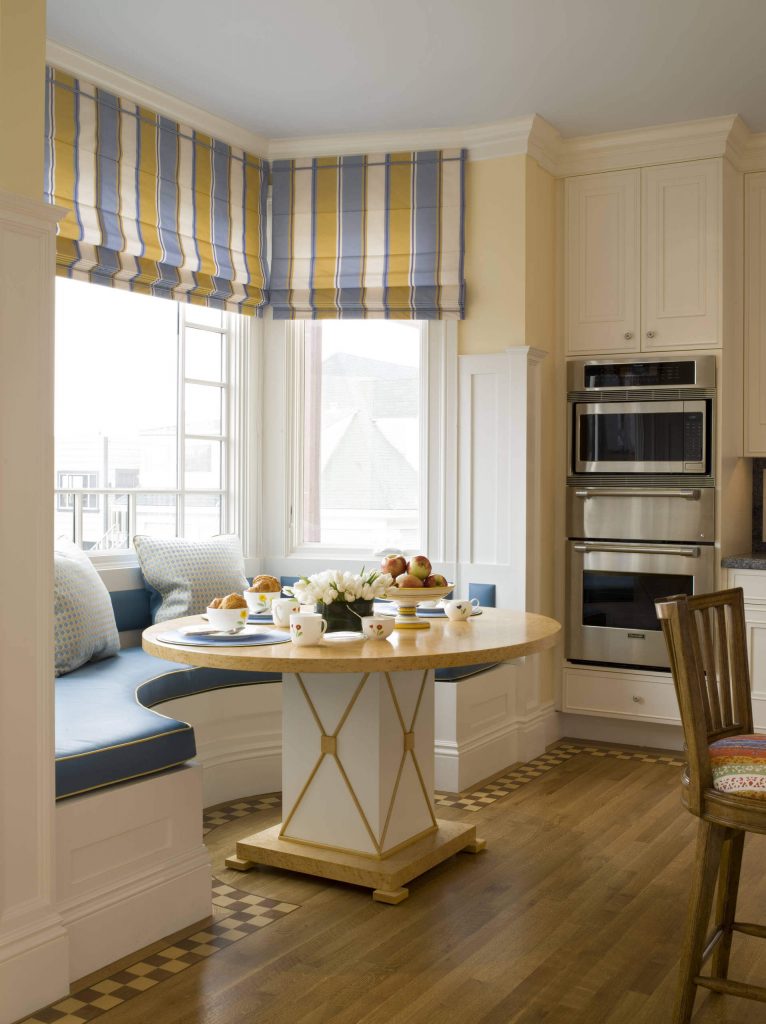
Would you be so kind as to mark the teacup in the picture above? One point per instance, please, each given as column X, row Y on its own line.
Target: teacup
column 306, row 629
column 226, row 618
column 460, row 609
column 283, row 608
column 378, row 627
column 260, row 601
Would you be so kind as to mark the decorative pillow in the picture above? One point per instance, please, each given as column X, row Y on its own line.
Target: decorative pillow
column 183, row 576
column 85, row 629
column 739, row 765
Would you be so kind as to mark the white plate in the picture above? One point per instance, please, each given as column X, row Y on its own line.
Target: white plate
column 342, row 637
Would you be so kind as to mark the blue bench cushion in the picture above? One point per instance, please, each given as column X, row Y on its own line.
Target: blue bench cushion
column 452, row 675
column 106, row 731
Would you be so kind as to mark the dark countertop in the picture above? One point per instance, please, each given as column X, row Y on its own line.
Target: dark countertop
column 755, row 560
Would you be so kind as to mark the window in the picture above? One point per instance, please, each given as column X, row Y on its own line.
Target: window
column 359, row 434
column 67, row 481
column 145, row 402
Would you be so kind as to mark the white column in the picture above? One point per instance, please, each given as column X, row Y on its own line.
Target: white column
column 486, row 722
column 33, row 943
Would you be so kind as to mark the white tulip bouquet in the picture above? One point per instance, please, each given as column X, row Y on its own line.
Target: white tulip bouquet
column 334, row 587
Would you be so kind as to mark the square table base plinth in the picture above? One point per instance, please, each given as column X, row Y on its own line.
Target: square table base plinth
column 385, row 876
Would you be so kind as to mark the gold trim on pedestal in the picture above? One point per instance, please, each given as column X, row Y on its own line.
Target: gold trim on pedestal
column 329, row 748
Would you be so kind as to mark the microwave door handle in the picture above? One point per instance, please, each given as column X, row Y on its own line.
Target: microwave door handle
column 689, row 493
column 685, row 551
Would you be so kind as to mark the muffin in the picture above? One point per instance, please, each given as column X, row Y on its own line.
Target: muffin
column 265, row 585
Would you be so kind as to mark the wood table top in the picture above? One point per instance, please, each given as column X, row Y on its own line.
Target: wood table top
column 495, row 635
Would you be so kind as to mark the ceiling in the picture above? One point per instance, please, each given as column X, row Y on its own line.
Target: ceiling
column 307, row 67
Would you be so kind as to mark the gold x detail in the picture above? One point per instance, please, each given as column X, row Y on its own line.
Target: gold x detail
column 329, row 748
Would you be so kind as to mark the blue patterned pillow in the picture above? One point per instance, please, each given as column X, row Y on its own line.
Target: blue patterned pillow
column 187, row 574
column 85, row 629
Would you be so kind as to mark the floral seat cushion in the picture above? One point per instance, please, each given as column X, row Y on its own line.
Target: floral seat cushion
column 739, row 765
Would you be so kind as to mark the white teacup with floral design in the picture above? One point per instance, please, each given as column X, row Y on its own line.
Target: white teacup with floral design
column 260, row 601
column 306, row 630
column 283, row 608
column 460, row 609
column 378, row 627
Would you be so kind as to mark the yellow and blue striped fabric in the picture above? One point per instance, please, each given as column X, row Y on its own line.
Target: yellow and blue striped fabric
column 154, row 206
column 369, row 236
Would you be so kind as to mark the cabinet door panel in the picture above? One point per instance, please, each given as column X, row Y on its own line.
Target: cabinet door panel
column 681, row 256
column 602, row 263
column 755, row 314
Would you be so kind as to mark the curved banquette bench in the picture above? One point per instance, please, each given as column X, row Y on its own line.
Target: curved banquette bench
column 106, row 729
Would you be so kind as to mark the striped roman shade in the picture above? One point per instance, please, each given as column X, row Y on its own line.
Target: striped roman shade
column 369, row 236
column 155, row 207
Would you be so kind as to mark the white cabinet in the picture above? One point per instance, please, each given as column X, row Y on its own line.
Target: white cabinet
column 620, row 693
column 643, row 264
column 755, row 314
column 681, row 207
column 753, row 582
column 602, row 262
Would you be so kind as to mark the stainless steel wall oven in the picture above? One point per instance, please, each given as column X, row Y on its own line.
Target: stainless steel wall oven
column 640, row 502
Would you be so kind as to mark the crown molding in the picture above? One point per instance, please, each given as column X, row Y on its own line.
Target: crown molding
column 134, row 89
column 483, row 142
column 668, row 143
column 532, row 135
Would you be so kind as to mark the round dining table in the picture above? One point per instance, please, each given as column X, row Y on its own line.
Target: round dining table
column 358, row 743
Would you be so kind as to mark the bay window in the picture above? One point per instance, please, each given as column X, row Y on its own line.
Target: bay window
column 149, row 395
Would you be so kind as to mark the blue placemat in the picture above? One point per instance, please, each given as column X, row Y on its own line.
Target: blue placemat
column 266, row 617
column 244, row 639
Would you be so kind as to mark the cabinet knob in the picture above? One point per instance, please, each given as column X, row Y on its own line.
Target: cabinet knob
column 628, row 335
column 651, row 334
column 637, row 699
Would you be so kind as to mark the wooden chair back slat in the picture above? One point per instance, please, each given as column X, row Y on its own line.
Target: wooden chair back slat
column 706, row 642
column 704, row 638
column 724, row 654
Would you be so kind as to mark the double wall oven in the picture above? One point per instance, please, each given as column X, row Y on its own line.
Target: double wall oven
column 640, row 501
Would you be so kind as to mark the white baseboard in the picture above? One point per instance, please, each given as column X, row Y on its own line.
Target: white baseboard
column 33, row 969
column 620, row 731
column 131, row 866
column 484, row 725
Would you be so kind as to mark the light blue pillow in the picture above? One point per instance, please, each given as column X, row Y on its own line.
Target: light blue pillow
column 85, row 629
column 187, row 574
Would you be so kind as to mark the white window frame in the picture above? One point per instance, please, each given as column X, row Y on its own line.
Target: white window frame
column 284, row 552
column 238, row 490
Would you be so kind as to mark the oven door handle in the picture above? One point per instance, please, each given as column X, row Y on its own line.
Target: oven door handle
column 690, row 551
column 689, row 493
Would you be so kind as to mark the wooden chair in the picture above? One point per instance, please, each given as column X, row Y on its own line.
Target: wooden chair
column 706, row 640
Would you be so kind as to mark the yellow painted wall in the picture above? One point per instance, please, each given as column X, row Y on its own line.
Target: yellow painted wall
column 510, row 267
column 22, row 96
column 494, row 255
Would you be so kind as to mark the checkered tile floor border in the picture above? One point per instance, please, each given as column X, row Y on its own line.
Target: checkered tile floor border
column 222, row 814
column 506, row 784
column 238, row 914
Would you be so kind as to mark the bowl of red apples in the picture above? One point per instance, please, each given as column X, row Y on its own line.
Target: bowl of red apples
column 414, row 584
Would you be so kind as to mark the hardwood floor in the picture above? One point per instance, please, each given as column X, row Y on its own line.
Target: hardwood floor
column 574, row 915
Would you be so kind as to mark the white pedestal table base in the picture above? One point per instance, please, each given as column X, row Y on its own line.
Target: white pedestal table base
column 357, row 783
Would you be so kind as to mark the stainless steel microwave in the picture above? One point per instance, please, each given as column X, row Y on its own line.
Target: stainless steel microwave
column 641, row 417
column 641, row 437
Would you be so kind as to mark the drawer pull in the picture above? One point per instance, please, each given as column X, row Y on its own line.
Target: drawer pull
column 637, row 699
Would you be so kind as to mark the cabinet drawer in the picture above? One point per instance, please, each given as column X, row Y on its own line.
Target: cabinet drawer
column 648, row 696
column 752, row 581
